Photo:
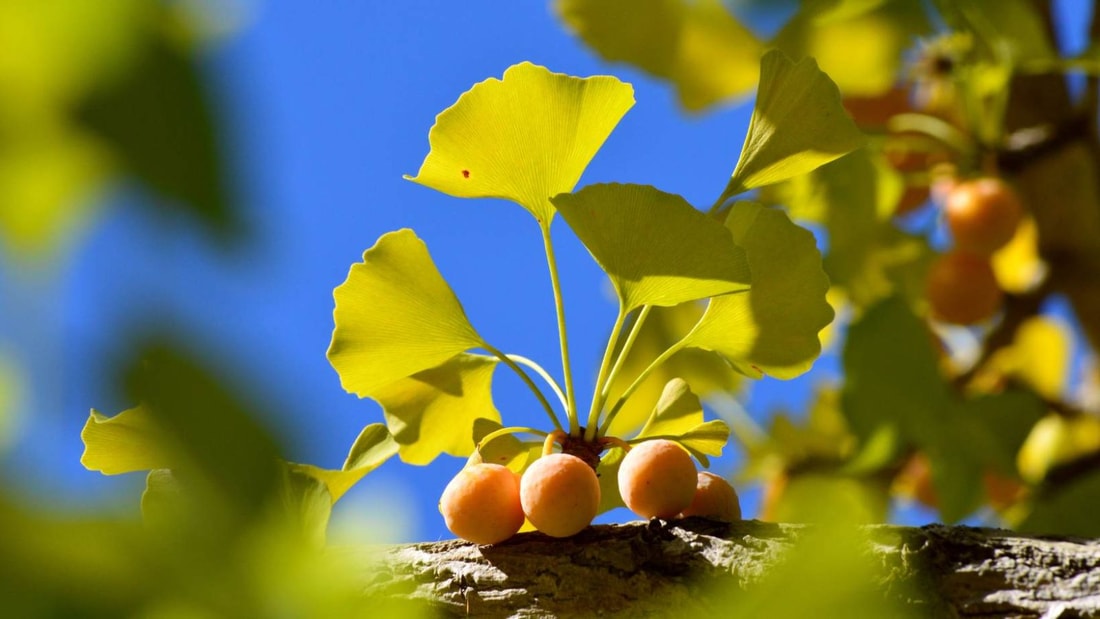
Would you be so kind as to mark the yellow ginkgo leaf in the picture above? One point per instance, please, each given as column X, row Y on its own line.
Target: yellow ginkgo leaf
column 437, row 410
column 373, row 447
column 130, row 441
column 797, row 125
column 525, row 138
column 395, row 316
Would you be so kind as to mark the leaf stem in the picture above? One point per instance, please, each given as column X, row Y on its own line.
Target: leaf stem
column 530, row 383
column 599, row 394
column 672, row 350
column 559, row 306
column 538, row 369
column 510, row 430
column 635, row 329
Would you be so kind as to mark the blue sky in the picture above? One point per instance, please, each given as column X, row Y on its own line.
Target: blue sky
column 325, row 106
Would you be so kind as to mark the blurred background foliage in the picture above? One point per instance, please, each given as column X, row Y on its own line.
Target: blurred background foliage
column 993, row 423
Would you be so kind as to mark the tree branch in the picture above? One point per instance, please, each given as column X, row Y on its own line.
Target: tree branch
column 696, row 567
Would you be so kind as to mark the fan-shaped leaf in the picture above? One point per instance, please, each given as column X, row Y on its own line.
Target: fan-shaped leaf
column 395, row 316
column 435, row 411
column 677, row 411
column 773, row 328
column 130, row 441
column 523, row 138
column 373, row 447
column 698, row 45
column 657, row 248
column 797, row 125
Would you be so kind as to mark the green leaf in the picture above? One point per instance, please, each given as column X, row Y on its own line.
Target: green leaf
column 772, row 329
column 161, row 123
column 706, row 439
column 130, row 441
column 1067, row 509
column 503, row 449
column 607, row 471
column 524, row 138
column 797, row 125
column 678, row 410
column 435, row 411
column 307, row 504
column 657, row 248
column 371, row 449
column 699, row 45
column 395, row 316
column 707, row 373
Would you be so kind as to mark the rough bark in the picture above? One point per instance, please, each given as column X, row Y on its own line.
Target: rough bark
column 696, row 567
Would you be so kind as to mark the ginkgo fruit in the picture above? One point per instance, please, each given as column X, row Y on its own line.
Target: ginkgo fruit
column 657, row 479
column 982, row 214
column 962, row 289
column 481, row 504
column 714, row 498
column 560, row 494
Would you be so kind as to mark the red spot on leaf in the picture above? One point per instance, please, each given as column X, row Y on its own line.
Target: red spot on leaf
column 465, row 174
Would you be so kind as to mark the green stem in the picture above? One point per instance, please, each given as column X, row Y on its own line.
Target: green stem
column 510, row 430
column 627, row 345
column 605, row 367
column 545, row 376
column 559, row 306
column 672, row 350
column 530, row 383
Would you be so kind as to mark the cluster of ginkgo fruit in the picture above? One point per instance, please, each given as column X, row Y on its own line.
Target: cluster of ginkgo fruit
column 982, row 215
column 559, row 494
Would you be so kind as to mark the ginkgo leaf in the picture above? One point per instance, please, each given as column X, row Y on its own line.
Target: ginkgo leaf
column 524, row 138
column 434, row 411
column 371, row 449
column 657, row 248
column 698, row 45
column 607, row 471
column 773, row 328
column 503, row 449
column 130, row 441
column 798, row 124
column 395, row 316
column 705, row 439
column 677, row 411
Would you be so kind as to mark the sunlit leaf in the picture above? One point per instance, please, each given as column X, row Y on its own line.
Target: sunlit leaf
column 608, row 474
column 797, row 125
column 677, row 411
column 371, row 449
column 697, row 45
column 657, row 248
column 130, row 441
column 434, row 411
column 1055, row 440
column 705, row 439
column 524, row 138
column 1018, row 266
column 503, row 449
column 708, row 374
column 395, row 316
column 772, row 329
column 1040, row 356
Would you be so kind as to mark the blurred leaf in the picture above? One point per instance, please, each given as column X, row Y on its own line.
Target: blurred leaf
column 435, row 411
column 860, row 44
column 1040, row 356
column 11, row 394
column 891, row 374
column 1018, row 266
column 159, row 119
column 1016, row 27
column 1069, row 509
column 656, row 248
column 308, row 503
column 697, row 45
column 830, row 498
column 395, row 316
column 132, row 440
column 371, row 449
column 708, row 374
column 798, row 124
column 219, row 443
column 1055, row 440
column 772, row 329
column 47, row 183
column 525, row 138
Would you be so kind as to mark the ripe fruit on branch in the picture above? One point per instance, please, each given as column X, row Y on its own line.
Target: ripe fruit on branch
column 982, row 214
column 481, row 504
column 560, row 494
column 962, row 289
column 714, row 498
column 657, row 479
